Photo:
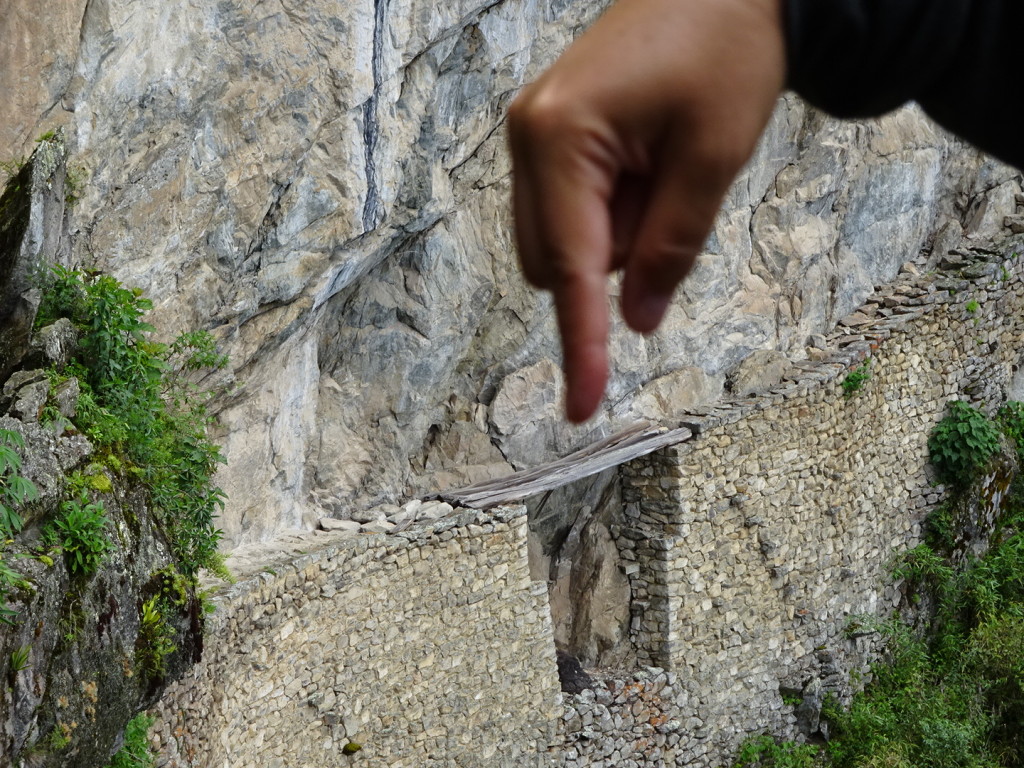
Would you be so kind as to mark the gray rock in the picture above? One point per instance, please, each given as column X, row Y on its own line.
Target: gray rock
column 949, row 236
column 17, row 381
column 340, row 215
column 374, row 513
column 55, row 344
column 759, row 372
column 29, row 401
column 47, row 458
column 377, row 526
column 434, row 510
column 331, row 524
column 808, row 711
column 65, row 395
column 31, row 230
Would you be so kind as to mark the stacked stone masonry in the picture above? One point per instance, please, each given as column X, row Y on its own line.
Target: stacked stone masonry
column 626, row 722
column 756, row 550
column 426, row 648
column 757, row 547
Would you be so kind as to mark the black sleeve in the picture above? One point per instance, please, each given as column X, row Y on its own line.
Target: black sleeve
column 857, row 58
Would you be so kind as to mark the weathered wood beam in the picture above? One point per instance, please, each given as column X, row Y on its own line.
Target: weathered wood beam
column 621, row 447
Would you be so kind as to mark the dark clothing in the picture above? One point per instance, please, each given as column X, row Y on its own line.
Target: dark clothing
column 956, row 58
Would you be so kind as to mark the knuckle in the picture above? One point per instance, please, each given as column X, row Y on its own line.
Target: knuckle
column 540, row 111
column 575, row 279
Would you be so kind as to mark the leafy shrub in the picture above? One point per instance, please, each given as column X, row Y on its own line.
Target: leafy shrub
column 938, row 528
column 137, row 402
column 81, row 532
column 135, row 752
column 14, row 489
column 856, row 379
column 962, row 444
column 1010, row 418
column 155, row 641
column 10, row 581
column 953, row 697
column 765, row 752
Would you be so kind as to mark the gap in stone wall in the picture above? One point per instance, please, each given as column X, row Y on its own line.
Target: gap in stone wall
column 571, row 549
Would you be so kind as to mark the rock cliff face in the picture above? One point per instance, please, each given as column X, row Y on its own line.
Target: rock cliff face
column 325, row 187
column 94, row 617
column 72, row 660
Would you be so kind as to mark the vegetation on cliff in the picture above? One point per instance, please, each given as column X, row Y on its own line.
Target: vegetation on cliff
column 138, row 406
column 951, row 696
column 98, row 575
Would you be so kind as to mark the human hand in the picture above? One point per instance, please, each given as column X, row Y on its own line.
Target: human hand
column 622, row 152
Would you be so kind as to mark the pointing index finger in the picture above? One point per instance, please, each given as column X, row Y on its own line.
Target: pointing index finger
column 563, row 181
column 580, row 301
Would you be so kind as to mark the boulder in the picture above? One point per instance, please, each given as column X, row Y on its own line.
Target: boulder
column 32, row 231
column 759, row 372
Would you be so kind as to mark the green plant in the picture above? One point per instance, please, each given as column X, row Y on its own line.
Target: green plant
column 764, row 752
column 173, row 587
column 218, row 566
column 135, row 752
column 1004, row 273
column 14, row 489
column 961, row 444
column 60, row 738
column 72, row 619
column 938, row 528
column 971, row 306
column 922, row 566
column 954, row 695
column 155, row 640
column 1010, row 418
column 856, row 379
column 19, row 658
column 138, row 402
column 81, row 532
column 19, row 661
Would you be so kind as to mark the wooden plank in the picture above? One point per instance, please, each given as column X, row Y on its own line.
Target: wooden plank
column 621, row 447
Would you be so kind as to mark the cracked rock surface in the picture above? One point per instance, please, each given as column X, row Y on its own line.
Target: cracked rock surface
column 325, row 187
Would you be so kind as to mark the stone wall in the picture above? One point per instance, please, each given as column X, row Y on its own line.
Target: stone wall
column 628, row 722
column 756, row 554
column 430, row 647
column 753, row 548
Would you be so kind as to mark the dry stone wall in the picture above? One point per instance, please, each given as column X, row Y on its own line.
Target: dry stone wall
column 430, row 647
column 756, row 554
column 753, row 548
column 626, row 722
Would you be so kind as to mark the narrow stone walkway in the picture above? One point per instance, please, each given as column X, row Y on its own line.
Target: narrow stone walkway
column 617, row 449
